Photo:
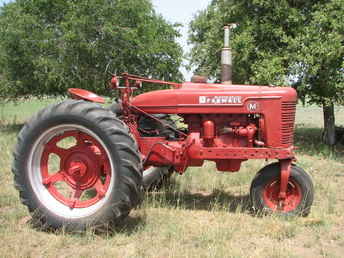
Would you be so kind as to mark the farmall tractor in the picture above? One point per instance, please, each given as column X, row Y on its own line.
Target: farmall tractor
column 78, row 164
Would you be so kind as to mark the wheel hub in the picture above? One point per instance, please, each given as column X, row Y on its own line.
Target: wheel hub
column 81, row 167
column 289, row 203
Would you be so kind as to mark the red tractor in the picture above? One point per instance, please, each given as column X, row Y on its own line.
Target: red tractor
column 78, row 164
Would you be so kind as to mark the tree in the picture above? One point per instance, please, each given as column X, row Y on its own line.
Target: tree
column 49, row 46
column 299, row 43
column 321, row 75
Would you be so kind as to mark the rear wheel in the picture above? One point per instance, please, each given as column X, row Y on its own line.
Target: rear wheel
column 75, row 165
column 265, row 189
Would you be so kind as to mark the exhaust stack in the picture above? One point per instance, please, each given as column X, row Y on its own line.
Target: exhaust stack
column 226, row 57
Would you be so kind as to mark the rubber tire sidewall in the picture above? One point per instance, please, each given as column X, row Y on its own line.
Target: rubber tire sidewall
column 115, row 206
column 272, row 172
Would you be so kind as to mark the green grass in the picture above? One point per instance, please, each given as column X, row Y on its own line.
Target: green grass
column 17, row 112
column 203, row 213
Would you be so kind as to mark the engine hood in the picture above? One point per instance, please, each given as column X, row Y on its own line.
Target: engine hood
column 210, row 98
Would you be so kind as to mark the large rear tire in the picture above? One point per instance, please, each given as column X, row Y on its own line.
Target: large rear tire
column 265, row 189
column 75, row 165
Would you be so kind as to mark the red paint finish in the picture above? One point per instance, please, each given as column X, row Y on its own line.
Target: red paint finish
column 138, row 80
column 285, row 173
column 291, row 201
column 208, row 132
column 85, row 95
column 276, row 105
column 226, row 124
column 114, row 82
column 82, row 167
column 158, row 152
column 195, row 98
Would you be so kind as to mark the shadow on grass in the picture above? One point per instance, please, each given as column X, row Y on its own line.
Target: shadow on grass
column 127, row 226
column 309, row 141
column 218, row 199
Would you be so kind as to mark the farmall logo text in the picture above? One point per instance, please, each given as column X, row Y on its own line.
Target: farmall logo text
column 220, row 100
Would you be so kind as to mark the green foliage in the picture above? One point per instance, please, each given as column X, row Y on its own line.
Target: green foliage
column 49, row 46
column 319, row 61
column 281, row 42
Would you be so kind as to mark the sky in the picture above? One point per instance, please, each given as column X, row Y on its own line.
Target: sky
column 175, row 11
column 4, row 1
column 181, row 11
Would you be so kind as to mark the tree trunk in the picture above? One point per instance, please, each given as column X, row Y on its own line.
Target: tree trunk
column 329, row 135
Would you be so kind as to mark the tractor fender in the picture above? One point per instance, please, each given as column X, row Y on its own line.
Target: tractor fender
column 76, row 93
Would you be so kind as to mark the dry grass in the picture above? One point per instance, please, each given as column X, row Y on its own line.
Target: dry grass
column 202, row 214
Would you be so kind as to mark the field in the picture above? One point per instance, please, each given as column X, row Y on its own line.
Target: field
column 201, row 214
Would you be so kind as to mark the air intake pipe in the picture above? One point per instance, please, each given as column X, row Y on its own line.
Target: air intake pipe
column 226, row 56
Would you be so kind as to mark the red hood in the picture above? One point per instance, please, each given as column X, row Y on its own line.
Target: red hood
column 198, row 98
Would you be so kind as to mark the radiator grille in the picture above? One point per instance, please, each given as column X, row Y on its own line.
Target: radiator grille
column 288, row 119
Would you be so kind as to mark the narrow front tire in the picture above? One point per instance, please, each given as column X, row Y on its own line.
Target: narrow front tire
column 265, row 188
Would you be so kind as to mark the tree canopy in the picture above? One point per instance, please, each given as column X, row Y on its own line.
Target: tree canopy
column 299, row 43
column 284, row 42
column 48, row 46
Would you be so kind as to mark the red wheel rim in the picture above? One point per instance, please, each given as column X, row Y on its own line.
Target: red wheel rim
column 84, row 169
column 291, row 202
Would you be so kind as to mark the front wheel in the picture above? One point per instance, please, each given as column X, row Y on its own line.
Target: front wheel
column 265, row 189
column 75, row 165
